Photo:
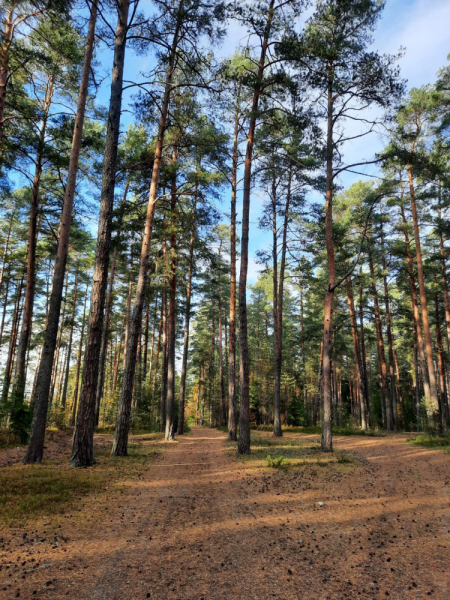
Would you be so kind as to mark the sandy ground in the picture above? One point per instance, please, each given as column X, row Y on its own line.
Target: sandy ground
column 199, row 524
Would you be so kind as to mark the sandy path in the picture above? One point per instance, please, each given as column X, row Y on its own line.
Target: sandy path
column 199, row 525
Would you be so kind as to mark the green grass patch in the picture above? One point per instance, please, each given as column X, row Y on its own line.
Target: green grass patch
column 280, row 452
column 431, row 441
column 317, row 430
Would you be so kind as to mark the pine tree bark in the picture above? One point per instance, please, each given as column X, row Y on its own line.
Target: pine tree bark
column 432, row 401
column 69, row 345
column 25, row 333
column 158, row 349
column 393, row 395
column 5, row 304
column 232, row 409
column 107, row 318
column 363, row 348
column 12, row 343
column 6, row 41
column 327, row 416
column 83, row 441
column 277, row 431
column 5, row 260
column 58, row 344
column 164, row 365
column 79, row 356
column 385, row 403
column 171, row 325
column 358, row 359
column 278, row 292
column 415, row 308
column 120, row 445
column 444, row 279
column 443, row 398
column 35, row 448
column 187, row 320
column 244, row 367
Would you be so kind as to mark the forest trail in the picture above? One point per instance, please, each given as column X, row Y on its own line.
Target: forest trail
column 199, row 524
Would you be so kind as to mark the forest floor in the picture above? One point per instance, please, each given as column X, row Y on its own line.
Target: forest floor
column 195, row 522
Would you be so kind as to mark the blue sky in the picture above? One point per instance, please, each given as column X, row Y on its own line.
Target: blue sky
column 421, row 27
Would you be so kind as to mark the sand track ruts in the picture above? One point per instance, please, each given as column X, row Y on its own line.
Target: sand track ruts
column 200, row 525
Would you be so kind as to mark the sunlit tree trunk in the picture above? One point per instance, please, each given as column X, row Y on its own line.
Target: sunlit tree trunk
column 36, row 446
column 244, row 367
column 120, row 445
column 432, row 401
column 83, row 441
column 415, row 308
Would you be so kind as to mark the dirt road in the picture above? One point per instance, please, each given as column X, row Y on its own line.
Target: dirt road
column 199, row 524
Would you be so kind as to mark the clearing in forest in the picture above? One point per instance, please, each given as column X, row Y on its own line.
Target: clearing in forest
column 371, row 521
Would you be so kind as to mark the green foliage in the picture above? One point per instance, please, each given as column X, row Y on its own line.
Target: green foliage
column 277, row 462
column 431, row 441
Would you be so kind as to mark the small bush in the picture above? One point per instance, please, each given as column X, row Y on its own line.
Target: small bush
column 277, row 462
column 343, row 458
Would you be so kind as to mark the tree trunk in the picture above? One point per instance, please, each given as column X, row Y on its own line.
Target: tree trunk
column 187, row 319
column 278, row 302
column 106, row 320
column 164, row 365
column 36, row 446
column 171, row 333
column 123, row 418
column 244, row 368
column 358, row 360
column 443, row 399
column 83, row 441
column 5, row 45
column 417, row 383
column 444, row 280
column 25, row 333
column 146, row 336
column 158, row 348
column 432, row 401
column 393, row 400
column 232, row 410
column 58, row 344
column 327, row 437
column 385, row 404
column 69, row 346
column 12, row 344
column 79, row 355
column 276, row 323
column 5, row 304
column 5, row 254
column 415, row 308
